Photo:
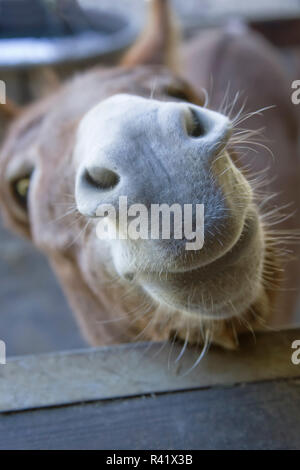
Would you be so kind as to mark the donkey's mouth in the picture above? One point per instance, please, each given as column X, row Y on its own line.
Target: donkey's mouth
column 241, row 246
column 221, row 289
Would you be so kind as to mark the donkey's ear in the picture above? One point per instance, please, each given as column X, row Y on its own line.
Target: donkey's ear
column 156, row 43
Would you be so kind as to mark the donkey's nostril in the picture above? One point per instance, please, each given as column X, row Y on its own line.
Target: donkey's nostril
column 101, row 178
column 209, row 130
column 195, row 126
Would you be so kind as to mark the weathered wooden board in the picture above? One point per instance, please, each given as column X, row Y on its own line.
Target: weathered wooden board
column 251, row 416
column 141, row 368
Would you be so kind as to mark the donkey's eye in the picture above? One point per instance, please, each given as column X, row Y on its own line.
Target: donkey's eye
column 20, row 188
column 177, row 93
column 186, row 93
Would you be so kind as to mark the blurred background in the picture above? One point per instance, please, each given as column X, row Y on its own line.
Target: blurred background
column 38, row 37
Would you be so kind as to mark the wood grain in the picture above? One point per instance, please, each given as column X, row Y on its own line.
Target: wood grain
column 140, row 368
column 252, row 416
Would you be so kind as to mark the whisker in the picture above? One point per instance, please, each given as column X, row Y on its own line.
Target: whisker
column 183, row 347
column 200, row 357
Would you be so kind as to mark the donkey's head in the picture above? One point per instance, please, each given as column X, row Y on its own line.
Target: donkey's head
column 140, row 132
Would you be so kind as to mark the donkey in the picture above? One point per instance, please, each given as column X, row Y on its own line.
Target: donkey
column 165, row 126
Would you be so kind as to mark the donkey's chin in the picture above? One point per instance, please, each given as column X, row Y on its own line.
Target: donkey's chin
column 223, row 289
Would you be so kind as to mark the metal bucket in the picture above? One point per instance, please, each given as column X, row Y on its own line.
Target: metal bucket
column 57, row 33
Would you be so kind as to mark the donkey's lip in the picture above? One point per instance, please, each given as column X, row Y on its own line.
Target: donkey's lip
column 186, row 291
column 241, row 245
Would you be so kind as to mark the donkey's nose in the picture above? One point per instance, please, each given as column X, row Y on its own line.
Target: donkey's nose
column 142, row 149
column 100, row 178
column 94, row 185
column 212, row 130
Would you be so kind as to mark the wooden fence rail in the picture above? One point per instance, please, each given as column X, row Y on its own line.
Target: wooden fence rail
column 137, row 396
